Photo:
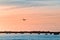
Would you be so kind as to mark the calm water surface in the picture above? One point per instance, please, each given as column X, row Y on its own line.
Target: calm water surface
column 28, row 37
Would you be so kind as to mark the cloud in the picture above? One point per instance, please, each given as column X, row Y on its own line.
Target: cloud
column 30, row 3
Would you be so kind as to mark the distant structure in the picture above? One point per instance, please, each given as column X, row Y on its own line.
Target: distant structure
column 31, row 32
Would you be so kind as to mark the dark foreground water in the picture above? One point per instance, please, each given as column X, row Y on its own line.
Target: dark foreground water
column 28, row 37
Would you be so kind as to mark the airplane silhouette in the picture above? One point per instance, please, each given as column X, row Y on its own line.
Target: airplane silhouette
column 24, row 19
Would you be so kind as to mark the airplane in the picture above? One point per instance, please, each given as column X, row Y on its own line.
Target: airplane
column 24, row 19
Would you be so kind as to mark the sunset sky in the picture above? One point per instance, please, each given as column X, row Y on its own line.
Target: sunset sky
column 40, row 15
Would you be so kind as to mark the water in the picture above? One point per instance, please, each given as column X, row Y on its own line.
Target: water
column 28, row 37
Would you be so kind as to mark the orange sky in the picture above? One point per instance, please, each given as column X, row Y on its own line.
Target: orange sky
column 38, row 18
